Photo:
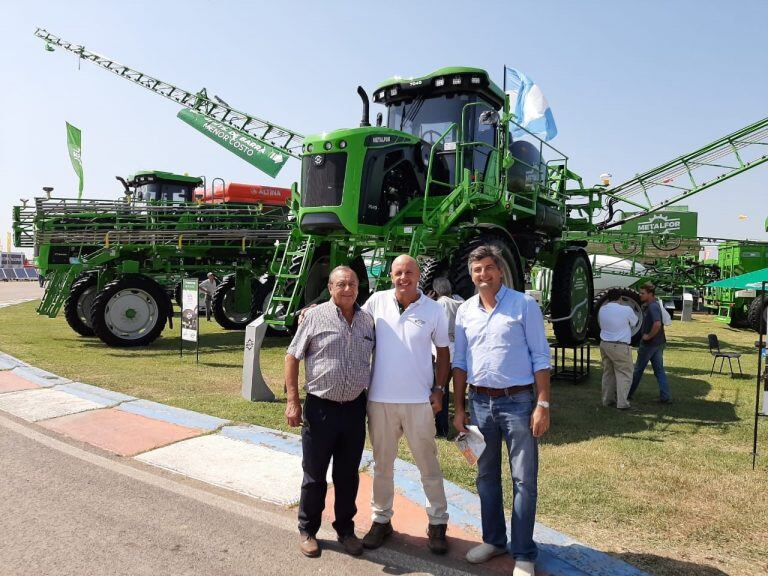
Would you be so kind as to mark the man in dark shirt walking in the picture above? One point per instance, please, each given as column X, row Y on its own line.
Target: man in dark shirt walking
column 652, row 344
column 336, row 339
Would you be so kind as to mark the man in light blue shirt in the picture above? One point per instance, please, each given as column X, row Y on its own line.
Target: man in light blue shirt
column 502, row 353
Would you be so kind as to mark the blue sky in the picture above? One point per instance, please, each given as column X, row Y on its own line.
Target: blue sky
column 631, row 84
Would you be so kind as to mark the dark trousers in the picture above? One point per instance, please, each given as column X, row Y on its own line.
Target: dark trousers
column 331, row 429
column 208, row 306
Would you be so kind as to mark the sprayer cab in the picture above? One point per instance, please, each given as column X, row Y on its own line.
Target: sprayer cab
column 358, row 180
column 163, row 187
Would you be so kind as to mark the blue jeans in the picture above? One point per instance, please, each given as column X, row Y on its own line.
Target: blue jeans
column 656, row 356
column 507, row 418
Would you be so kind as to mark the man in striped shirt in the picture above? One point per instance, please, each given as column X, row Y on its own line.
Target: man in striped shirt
column 336, row 340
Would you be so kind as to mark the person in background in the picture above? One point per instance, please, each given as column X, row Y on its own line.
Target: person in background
column 336, row 340
column 208, row 287
column 616, row 322
column 502, row 352
column 652, row 344
column 443, row 295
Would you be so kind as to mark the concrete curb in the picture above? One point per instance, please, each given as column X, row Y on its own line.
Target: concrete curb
column 560, row 555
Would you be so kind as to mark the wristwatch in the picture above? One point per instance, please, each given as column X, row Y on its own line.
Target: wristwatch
column 543, row 404
column 438, row 389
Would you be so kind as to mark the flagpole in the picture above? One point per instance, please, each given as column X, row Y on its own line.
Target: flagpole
column 504, row 76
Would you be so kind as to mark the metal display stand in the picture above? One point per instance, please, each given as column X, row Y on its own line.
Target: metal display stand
column 189, row 322
column 573, row 367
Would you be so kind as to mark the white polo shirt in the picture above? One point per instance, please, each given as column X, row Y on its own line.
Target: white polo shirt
column 616, row 322
column 402, row 362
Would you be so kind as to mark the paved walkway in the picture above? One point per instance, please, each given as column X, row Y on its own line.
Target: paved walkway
column 258, row 462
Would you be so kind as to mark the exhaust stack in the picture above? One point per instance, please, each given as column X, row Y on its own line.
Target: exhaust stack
column 366, row 104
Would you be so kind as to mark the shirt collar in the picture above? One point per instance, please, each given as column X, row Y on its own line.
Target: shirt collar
column 499, row 296
column 356, row 308
column 418, row 301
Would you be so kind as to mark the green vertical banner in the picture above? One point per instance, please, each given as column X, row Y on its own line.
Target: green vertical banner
column 73, row 145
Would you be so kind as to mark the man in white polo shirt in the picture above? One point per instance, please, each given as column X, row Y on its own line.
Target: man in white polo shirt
column 616, row 322
column 401, row 399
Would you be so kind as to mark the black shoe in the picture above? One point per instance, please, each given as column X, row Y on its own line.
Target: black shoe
column 352, row 544
column 377, row 534
column 664, row 400
column 436, row 538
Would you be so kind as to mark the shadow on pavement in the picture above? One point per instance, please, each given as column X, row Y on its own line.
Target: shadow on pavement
column 663, row 566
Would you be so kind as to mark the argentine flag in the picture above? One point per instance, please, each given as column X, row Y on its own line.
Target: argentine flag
column 529, row 105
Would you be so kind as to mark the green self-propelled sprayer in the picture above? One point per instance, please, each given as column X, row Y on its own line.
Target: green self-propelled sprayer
column 114, row 265
column 439, row 177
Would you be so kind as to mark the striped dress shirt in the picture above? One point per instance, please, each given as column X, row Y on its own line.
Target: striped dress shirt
column 337, row 355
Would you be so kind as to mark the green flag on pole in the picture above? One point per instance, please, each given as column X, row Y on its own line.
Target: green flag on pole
column 73, row 144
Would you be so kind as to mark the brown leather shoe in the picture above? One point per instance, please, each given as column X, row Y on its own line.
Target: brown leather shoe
column 309, row 546
column 377, row 534
column 436, row 538
column 352, row 544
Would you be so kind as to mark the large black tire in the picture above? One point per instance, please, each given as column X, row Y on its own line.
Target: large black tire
column 757, row 315
column 629, row 298
column 223, row 311
column 739, row 315
column 572, row 295
column 223, row 306
column 430, row 268
column 511, row 274
column 77, row 307
column 130, row 311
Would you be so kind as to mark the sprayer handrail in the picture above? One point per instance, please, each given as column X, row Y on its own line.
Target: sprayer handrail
column 432, row 151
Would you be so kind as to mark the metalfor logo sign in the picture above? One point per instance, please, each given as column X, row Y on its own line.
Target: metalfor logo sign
column 659, row 224
column 667, row 222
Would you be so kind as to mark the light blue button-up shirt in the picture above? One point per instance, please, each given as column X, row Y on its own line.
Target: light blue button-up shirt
column 503, row 347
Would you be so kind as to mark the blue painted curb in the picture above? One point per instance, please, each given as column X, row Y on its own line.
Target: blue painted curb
column 8, row 362
column 173, row 415
column 105, row 398
column 40, row 377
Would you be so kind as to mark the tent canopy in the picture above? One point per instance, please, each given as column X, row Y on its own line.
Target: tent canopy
column 750, row 281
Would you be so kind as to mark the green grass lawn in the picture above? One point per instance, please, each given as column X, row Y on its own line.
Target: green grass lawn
column 669, row 488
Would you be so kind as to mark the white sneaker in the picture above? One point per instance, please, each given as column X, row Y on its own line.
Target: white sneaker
column 524, row 568
column 483, row 553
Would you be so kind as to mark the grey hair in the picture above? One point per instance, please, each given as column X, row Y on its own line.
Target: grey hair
column 485, row 251
column 442, row 286
column 342, row 269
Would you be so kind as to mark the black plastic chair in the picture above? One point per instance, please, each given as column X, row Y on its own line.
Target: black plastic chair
column 714, row 349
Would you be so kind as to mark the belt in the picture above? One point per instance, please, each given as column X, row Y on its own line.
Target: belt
column 357, row 398
column 616, row 342
column 496, row 392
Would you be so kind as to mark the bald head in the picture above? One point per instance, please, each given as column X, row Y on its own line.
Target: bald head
column 405, row 260
column 405, row 279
